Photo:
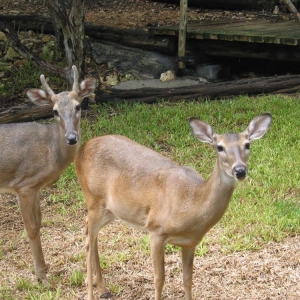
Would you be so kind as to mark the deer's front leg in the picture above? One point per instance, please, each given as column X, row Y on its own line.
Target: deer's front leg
column 93, row 223
column 31, row 214
column 157, row 245
column 187, row 270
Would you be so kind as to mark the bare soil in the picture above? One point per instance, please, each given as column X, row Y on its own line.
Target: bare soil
column 272, row 272
column 133, row 14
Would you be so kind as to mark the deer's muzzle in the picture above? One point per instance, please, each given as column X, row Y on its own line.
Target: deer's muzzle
column 240, row 172
column 72, row 138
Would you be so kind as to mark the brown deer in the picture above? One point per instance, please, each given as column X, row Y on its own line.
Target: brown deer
column 34, row 155
column 123, row 180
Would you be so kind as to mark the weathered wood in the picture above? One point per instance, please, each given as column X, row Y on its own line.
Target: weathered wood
column 258, row 31
column 71, row 23
column 278, row 84
column 182, row 33
column 244, row 50
column 133, row 38
column 166, row 40
column 292, row 9
column 27, row 114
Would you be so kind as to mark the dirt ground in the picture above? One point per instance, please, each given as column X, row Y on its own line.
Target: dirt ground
column 133, row 14
column 272, row 272
column 269, row 273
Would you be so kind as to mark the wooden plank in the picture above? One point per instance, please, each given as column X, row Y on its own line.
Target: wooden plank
column 262, row 31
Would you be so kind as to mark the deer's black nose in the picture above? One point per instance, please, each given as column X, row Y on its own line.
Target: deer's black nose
column 240, row 172
column 72, row 139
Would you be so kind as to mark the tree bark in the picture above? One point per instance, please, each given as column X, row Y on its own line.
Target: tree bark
column 56, row 23
column 292, row 9
column 26, row 114
column 72, row 25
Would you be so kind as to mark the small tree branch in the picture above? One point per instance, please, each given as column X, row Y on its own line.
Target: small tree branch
column 292, row 9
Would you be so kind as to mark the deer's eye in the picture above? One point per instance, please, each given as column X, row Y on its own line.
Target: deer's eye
column 247, row 146
column 78, row 107
column 55, row 112
column 220, row 148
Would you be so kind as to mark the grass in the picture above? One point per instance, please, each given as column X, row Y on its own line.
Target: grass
column 264, row 208
column 267, row 206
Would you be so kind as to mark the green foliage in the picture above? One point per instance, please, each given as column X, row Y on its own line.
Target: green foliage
column 21, row 77
column 23, row 284
column 77, row 278
column 6, row 293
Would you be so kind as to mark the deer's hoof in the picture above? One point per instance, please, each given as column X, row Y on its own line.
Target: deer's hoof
column 106, row 295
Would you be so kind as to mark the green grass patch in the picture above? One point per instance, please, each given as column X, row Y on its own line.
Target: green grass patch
column 77, row 278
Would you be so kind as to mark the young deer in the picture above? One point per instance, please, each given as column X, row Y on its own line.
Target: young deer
column 34, row 155
column 122, row 179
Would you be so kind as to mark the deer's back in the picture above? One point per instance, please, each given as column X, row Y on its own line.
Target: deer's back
column 107, row 155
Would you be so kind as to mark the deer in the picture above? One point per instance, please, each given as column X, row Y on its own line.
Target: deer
column 124, row 180
column 34, row 155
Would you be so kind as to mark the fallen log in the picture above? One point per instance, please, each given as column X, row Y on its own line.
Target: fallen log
column 137, row 38
column 211, row 91
column 26, row 113
column 220, row 90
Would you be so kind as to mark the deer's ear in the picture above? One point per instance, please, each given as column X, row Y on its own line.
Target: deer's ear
column 87, row 87
column 38, row 97
column 259, row 126
column 201, row 130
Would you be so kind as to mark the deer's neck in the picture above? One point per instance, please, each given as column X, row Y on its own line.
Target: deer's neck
column 216, row 193
column 64, row 152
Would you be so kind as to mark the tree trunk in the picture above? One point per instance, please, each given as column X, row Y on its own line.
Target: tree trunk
column 72, row 26
column 292, row 9
column 56, row 23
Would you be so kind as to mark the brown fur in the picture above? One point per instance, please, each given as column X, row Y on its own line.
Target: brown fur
column 124, row 180
column 34, row 155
